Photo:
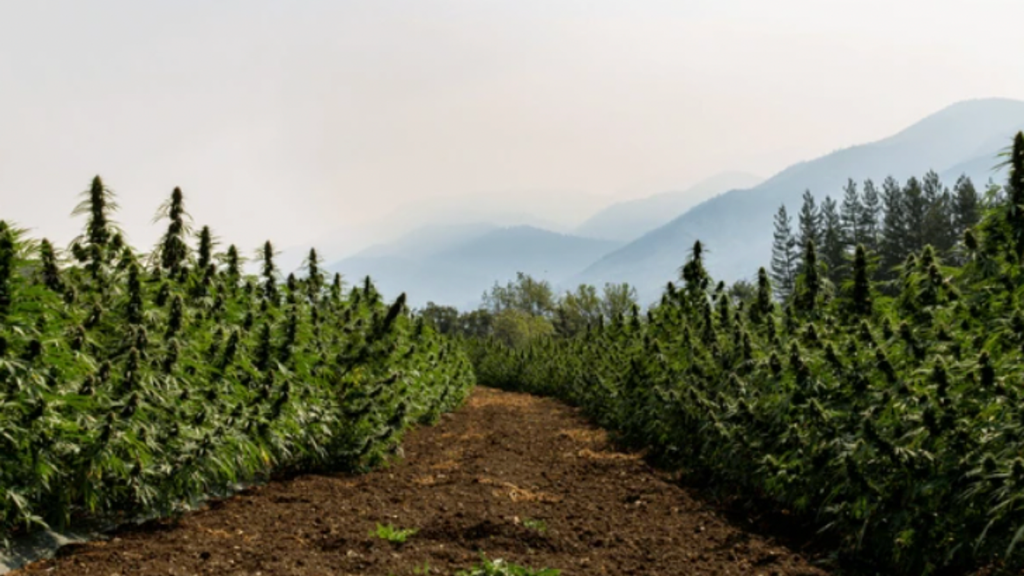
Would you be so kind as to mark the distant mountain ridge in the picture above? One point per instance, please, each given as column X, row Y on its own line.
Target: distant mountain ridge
column 736, row 227
column 456, row 271
column 629, row 220
column 428, row 240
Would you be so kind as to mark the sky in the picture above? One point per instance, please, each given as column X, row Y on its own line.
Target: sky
column 340, row 121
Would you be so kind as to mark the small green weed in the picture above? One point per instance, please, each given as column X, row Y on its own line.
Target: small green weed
column 499, row 567
column 535, row 524
column 425, row 569
column 392, row 534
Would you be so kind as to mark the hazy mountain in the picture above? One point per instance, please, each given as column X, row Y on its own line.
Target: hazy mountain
column 428, row 240
column 458, row 272
column 558, row 210
column 434, row 218
column 980, row 170
column 629, row 220
column 736, row 226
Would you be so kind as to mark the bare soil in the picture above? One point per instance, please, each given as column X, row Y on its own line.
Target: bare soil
column 512, row 476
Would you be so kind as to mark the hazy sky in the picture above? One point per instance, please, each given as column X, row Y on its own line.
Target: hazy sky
column 292, row 120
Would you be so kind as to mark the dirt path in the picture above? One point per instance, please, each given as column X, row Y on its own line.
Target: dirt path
column 516, row 477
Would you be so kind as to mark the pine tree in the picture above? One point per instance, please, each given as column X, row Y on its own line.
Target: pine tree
column 784, row 258
column 916, row 210
column 966, row 205
column 892, row 244
column 938, row 222
column 809, row 222
column 832, row 241
column 850, row 216
column 870, row 217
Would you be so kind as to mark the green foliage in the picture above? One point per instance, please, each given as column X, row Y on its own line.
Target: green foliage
column 475, row 324
column 173, row 249
column 525, row 294
column 891, row 225
column 833, row 239
column 134, row 385
column 894, row 418
column 576, row 311
column 499, row 567
column 534, row 524
column 517, row 328
column 392, row 534
column 444, row 319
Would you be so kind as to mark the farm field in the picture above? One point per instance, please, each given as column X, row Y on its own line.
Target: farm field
column 518, row 477
column 133, row 385
column 886, row 410
column 526, row 288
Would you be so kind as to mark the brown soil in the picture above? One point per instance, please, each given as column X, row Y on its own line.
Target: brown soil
column 479, row 481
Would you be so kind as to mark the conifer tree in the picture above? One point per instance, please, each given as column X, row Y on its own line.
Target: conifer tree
column 892, row 244
column 966, row 205
column 809, row 221
column 938, row 222
column 870, row 217
column 850, row 216
column 784, row 259
column 832, row 241
column 916, row 210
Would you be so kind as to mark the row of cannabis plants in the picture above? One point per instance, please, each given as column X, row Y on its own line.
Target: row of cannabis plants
column 132, row 384
column 893, row 419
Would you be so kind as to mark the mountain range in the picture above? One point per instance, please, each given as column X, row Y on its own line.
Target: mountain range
column 644, row 242
column 455, row 265
column 736, row 227
column 628, row 221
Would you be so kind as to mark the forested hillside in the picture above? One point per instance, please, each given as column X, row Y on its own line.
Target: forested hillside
column 881, row 406
column 735, row 227
column 890, row 221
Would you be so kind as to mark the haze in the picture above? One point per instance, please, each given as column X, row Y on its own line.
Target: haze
column 317, row 120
